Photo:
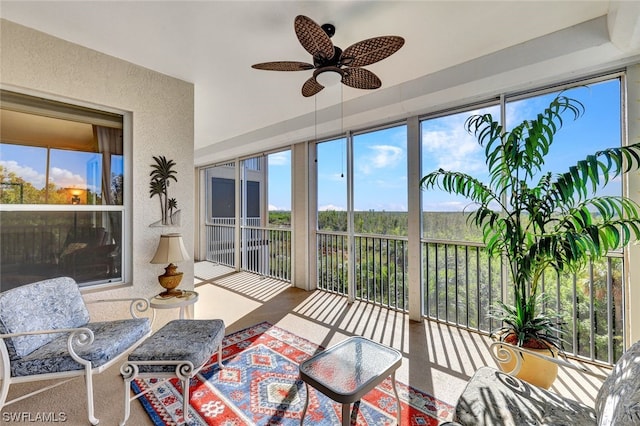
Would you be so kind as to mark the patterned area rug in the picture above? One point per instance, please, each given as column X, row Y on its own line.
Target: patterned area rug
column 259, row 385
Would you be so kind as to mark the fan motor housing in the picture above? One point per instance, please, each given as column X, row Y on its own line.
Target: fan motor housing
column 319, row 61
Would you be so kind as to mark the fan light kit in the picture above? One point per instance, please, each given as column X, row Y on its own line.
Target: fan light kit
column 328, row 78
column 332, row 64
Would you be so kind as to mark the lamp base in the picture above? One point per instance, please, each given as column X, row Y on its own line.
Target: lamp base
column 171, row 293
column 170, row 280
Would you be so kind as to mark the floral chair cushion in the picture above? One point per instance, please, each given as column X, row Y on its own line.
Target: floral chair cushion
column 43, row 305
column 111, row 339
column 493, row 398
column 180, row 340
column 618, row 400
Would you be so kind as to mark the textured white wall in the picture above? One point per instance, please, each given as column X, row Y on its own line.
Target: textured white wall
column 162, row 124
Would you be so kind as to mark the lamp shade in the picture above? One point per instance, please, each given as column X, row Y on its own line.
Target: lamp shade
column 170, row 249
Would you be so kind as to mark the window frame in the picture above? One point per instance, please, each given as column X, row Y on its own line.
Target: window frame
column 42, row 100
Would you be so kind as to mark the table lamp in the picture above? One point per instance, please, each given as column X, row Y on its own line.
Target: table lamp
column 170, row 249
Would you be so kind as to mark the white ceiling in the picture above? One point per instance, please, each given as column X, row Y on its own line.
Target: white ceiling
column 239, row 110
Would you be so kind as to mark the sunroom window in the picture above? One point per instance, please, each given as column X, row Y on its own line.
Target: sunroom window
column 61, row 192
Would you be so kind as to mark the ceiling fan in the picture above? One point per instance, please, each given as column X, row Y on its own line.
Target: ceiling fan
column 328, row 58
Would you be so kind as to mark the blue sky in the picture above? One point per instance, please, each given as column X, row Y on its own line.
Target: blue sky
column 280, row 181
column 69, row 169
column 380, row 170
column 381, row 157
column 380, row 163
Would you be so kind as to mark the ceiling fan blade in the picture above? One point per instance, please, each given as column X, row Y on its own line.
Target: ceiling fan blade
column 372, row 50
column 311, row 87
column 313, row 38
column 283, row 66
column 360, row 78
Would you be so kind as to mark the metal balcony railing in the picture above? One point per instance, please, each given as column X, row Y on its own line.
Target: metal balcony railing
column 460, row 283
column 380, row 262
column 268, row 252
column 264, row 251
column 220, row 244
column 40, row 244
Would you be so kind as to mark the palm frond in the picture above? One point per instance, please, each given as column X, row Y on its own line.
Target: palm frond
column 163, row 169
column 156, row 187
column 460, row 184
column 595, row 170
column 555, row 223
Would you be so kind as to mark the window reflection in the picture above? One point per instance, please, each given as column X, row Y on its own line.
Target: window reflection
column 56, row 161
column 85, row 245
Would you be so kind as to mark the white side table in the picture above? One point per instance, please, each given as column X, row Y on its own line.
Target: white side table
column 182, row 300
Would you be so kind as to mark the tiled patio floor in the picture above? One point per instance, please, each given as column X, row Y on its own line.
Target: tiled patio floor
column 438, row 358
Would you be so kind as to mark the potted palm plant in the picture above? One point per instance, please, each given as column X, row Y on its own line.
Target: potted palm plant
column 538, row 220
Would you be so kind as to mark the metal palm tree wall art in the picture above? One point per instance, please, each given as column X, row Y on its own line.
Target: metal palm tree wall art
column 162, row 173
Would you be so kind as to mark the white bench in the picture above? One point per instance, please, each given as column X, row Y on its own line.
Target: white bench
column 179, row 349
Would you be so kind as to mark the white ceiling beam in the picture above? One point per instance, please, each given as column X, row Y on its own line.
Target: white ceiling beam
column 568, row 54
column 623, row 21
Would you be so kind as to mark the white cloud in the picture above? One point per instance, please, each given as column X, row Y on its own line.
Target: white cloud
column 273, row 207
column 66, row 179
column 279, row 159
column 454, row 205
column 62, row 178
column 383, row 156
column 453, row 149
column 329, row 207
column 445, row 206
column 399, row 184
column 391, row 207
column 27, row 173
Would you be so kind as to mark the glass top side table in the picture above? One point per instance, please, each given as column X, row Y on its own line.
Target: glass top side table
column 347, row 371
column 184, row 299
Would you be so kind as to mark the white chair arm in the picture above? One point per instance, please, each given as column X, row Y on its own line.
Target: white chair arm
column 79, row 337
column 5, row 369
column 51, row 331
column 137, row 305
column 504, row 352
